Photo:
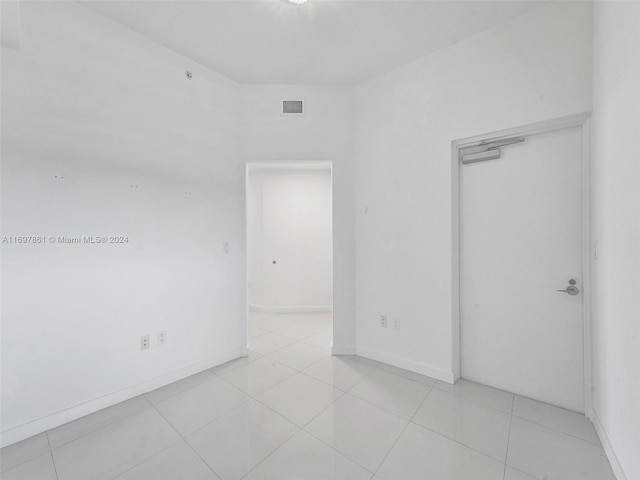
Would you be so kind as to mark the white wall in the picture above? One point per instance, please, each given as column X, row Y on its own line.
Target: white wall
column 255, row 283
column 10, row 23
column 325, row 132
column 289, row 223
column 616, row 229
column 533, row 68
column 102, row 134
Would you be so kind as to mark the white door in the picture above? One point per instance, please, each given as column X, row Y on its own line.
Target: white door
column 297, row 226
column 521, row 241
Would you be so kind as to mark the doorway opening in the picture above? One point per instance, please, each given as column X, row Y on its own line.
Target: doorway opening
column 289, row 225
column 521, row 282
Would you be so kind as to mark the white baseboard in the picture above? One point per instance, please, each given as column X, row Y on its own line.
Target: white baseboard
column 618, row 471
column 311, row 309
column 412, row 366
column 43, row 424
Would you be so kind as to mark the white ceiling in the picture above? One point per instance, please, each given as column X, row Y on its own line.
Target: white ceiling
column 323, row 41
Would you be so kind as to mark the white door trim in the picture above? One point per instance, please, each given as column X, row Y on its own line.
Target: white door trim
column 580, row 120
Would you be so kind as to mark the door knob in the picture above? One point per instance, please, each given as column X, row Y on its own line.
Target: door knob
column 571, row 289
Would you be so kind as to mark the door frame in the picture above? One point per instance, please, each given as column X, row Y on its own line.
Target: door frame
column 579, row 120
column 257, row 165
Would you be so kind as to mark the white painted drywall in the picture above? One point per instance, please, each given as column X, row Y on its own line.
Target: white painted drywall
column 10, row 23
column 616, row 231
column 325, row 132
column 102, row 134
column 255, row 281
column 289, row 223
column 533, row 68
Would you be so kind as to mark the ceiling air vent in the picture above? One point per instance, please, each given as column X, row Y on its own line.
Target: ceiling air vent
column 292, row 107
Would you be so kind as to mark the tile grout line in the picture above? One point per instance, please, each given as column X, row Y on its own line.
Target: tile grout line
column 375, row 367
column 53, row 460
column 375, row 472
column 431, row 387
column 268, row 456
column 227, row 413
column 559, row 432
column 422, row 403
column 277, row 349
column 293, row 322
column 4, row 472
column 108, row 424
column 261, row 392
column 237, row 366
column 208, row 370
column 348, row 390
column 237, row 407
column 276, row 449
column 342, row 392
column 306, row 366
column 383, row 408
column 294, row 342
column 519, row 417
column 251, row 397
column 404, row 429
column 526, row 473
column 279, row 446
column 300, row 429
column 267, row 355
column 456, row 441
column 476, row 402
column 221, row 376
column 381, row 367
column 145, row 460
column 184, row 440
column 331, row 385
column 453, row 439
column 261, row 356
column 300, row 340
column 506, row 455
column 377, row 406
column 562, row 432
column 338, row 451
column 449, row 438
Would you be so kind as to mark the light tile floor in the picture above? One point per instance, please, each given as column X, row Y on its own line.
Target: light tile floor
column 292, row 411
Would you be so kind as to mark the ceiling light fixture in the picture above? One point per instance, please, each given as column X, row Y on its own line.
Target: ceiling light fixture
column 298, row 2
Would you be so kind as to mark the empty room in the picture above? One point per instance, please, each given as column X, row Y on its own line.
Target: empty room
column 320, row 240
